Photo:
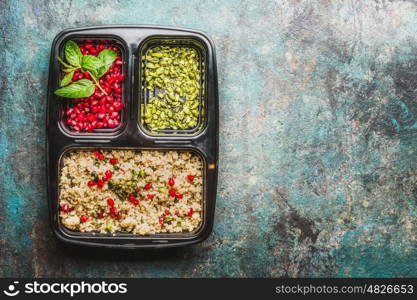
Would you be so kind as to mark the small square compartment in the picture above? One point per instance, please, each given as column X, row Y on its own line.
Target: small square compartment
column 145, row 95
column 66, row 103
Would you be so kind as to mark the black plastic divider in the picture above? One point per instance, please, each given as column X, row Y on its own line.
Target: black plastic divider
column 131, row 135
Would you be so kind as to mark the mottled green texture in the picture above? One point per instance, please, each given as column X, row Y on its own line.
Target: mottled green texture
column 318, row 111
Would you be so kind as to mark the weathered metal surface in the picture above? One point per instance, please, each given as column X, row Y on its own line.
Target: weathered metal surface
column 317, row 144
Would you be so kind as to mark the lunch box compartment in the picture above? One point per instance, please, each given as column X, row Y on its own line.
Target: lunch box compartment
column 66, row 103
column 96, row 234
column 145, row 94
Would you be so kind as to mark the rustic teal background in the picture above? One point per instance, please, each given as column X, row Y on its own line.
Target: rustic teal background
column 318, row 111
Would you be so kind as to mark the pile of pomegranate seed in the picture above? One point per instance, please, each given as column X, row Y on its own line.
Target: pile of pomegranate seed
column 98, row 110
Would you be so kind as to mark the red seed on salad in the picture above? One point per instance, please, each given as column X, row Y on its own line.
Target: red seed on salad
column 148, row 186
column 113, row 161
column 172, row 192
column 171, row 181
column 100, row 183
column 91, row 183
column 150, row 196
column 167, row 212
column 83, row 219
column 110, row 202
column 65, row 208
column 190, row 212
column 190, row 178
column 108, row 174
column 178, row 195
column 99, row 155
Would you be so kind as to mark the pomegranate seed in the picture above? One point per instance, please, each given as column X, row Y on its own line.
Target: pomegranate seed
column 113, row 215
column 178, row 195
column 172, row 192
column 100, row 183
column 91, row 118
column 148, row 186
column 190, row 212
column 171, row 181
column 108, row 174
column 117, row 106
column 113, row 161
column 91, row 183
column 110, row 202
column 101, row 214
column 113, row 210
column 83, row 219
column 150, row 196
column 166, row 212
column 190, row 178
column 161, row 222
column 176, row 213
column 65, row 208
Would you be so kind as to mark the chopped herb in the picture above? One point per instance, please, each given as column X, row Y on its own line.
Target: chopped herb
column 95, row 176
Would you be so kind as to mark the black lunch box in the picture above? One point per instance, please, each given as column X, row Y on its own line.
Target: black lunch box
column 132, row 134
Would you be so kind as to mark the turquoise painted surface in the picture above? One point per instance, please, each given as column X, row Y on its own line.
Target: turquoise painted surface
column 318, row 140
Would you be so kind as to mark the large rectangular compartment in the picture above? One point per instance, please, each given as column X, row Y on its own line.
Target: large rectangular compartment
column 202, row 140
column 126, row 175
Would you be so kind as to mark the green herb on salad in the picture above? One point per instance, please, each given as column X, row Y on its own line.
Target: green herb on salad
column 96, row 66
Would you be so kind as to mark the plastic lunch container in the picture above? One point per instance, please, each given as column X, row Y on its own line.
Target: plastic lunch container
column 132, row 133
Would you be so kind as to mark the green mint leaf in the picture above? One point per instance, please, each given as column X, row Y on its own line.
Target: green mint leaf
column 90, row 63
column 67, row 78
column 64, row 63
column 107, row 57
column 101, row 71
column 67, row 70
column 79, row 89
column 73, row 53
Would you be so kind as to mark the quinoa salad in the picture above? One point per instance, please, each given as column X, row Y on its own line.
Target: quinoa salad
column 127, row 191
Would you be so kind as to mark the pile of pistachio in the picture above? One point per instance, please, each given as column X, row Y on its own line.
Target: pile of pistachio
column 172, row 74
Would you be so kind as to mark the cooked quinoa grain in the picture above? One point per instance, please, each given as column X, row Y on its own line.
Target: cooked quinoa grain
column 138, row 192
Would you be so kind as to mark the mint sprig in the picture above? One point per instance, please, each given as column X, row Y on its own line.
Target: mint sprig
column 96, row 66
